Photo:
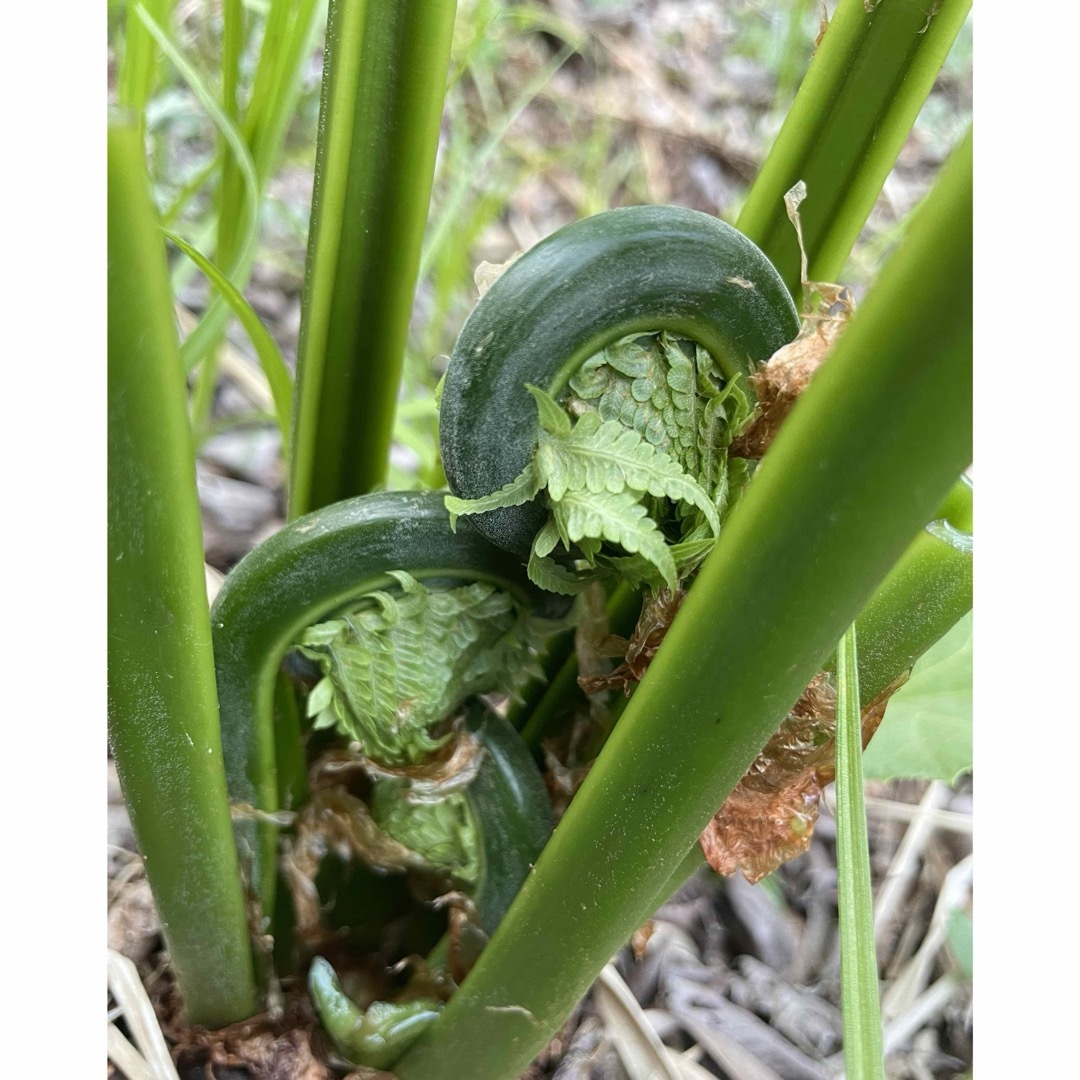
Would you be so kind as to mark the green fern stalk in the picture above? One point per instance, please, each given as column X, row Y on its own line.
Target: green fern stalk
column 860, row 97
column 383, row 87
column 163, row 721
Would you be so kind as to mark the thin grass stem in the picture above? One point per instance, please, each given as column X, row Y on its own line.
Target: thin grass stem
column 859, row 1000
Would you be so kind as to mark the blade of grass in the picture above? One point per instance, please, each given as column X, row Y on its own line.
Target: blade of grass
column 163, row 720
column 186, row 193
column 859, row 1002
column 464, row 179
column 860, row 465
column 383, row 88
column 792, row 65
column 860, row 98
column 290, row 38
column 209, row 327
column 278, row 79
column 231, row 190
column 270, row 358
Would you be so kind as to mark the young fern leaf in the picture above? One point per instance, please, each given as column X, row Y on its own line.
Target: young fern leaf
column 646, row 383
column 396, row 666
column 602, row 455
column 553, row 418
column 596, row 473
column 442, row 831
column 521, row 489
column 618, row 518
column 637, row 570
column 549, row 574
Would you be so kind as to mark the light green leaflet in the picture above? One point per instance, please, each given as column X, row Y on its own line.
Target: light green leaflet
column 443, row 831
column 640, row 483
column 399, row 665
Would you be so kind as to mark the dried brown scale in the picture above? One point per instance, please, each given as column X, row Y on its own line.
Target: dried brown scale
column 288, row 1050
column 334, row 820
column 288, row 1047
column 770, row 816
column 657, row 613
column 780, row 381
column 450, row 767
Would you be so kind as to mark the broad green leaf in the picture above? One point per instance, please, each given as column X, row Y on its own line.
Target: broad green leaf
column 927, row 730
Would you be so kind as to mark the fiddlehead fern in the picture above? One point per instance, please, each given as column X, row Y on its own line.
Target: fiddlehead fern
column 405, row 621
column 508, row 803
column 328, row 564
column 641, row 325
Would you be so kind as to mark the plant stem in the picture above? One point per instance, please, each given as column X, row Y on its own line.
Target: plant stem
column 926, row 593
column 858, row 468
column 383, row 88
column 623, row 609
column 863, row 90
column 163, row 721
column 863, row 1057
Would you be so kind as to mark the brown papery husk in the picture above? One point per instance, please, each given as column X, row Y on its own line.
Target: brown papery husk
column 657, row 613
column 286, row 1046
column 769, row 817
column 787, row 373
column 450, row 768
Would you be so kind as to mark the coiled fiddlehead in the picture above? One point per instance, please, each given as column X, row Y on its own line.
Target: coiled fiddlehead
column 559, row 327
column 377, row 562
column 313, row 569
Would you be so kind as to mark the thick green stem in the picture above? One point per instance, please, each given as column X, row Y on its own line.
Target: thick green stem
column 859, row 467
column 864, row 88
column 383, row 89
column 163, row 720
column 926, row 593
